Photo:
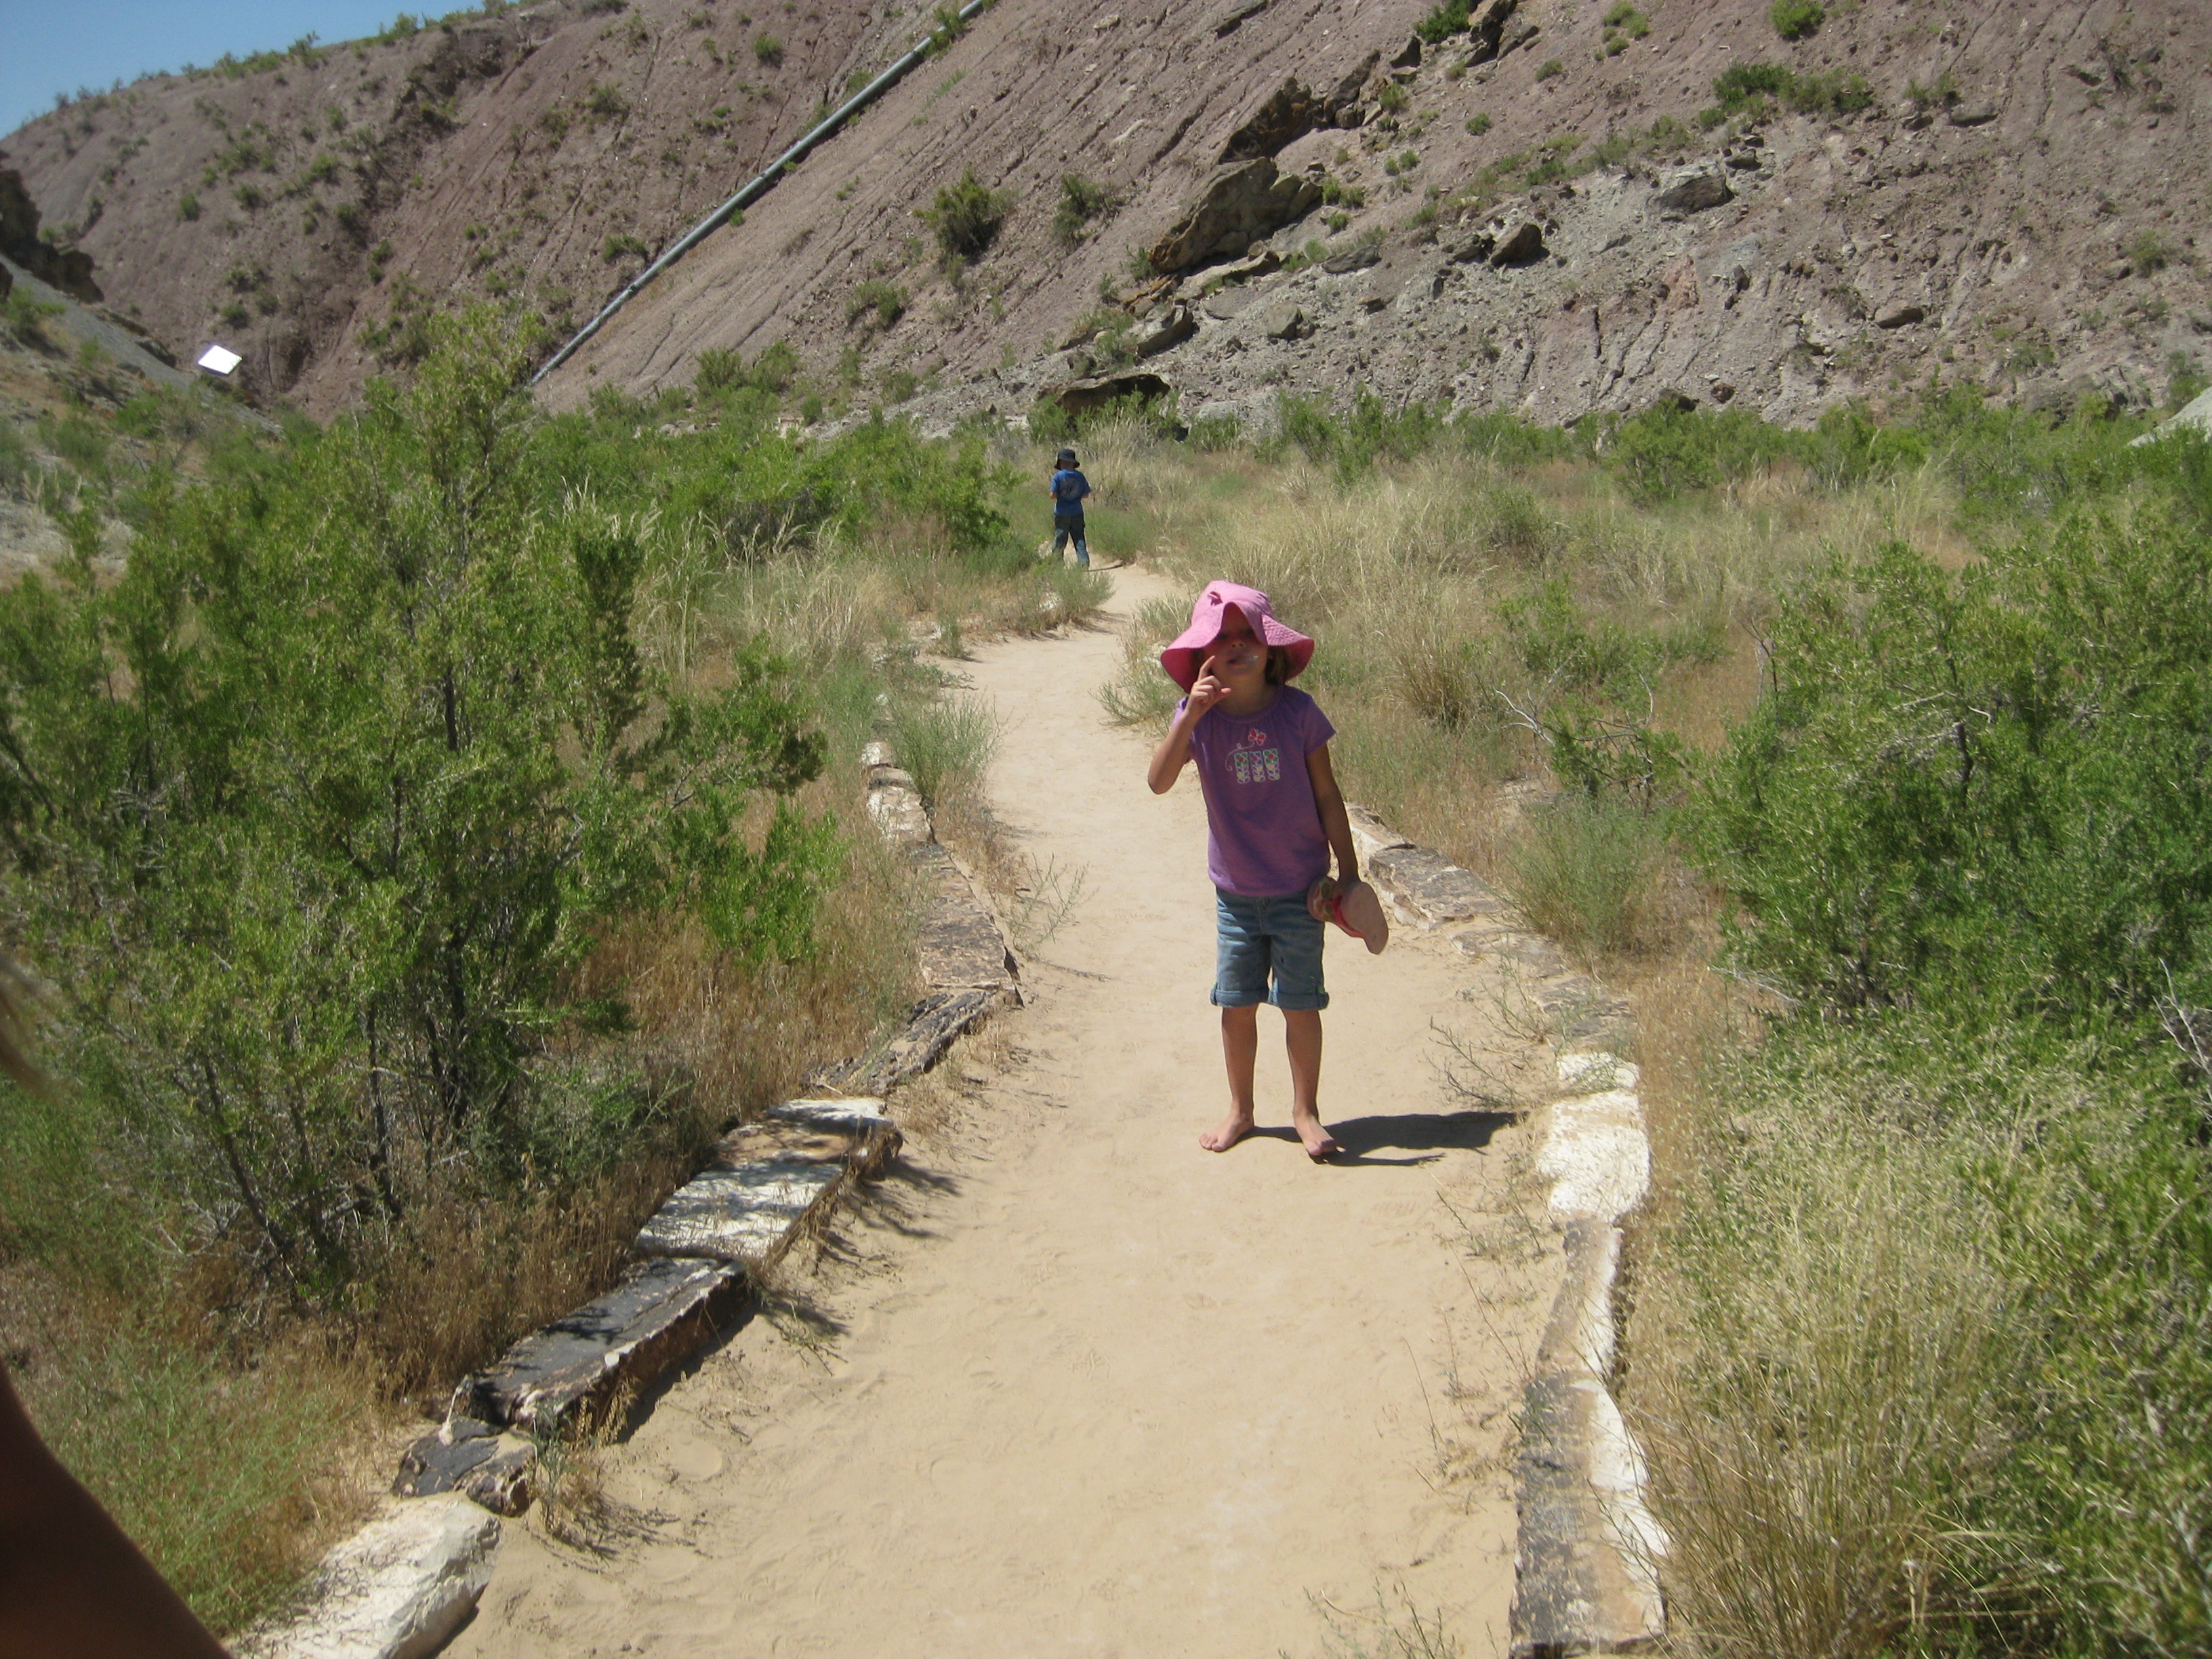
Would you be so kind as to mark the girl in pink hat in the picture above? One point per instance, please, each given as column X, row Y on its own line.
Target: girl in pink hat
column 1273, row 816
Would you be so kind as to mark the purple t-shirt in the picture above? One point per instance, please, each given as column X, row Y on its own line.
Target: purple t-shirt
column 1264, row 838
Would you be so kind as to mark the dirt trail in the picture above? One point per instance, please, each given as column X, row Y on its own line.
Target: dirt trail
column 1074, row 1386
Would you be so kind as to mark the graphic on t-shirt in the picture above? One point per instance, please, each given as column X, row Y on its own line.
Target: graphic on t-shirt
column 1253, row 763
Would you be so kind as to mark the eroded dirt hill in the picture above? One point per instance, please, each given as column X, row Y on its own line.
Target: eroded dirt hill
column 1533, row 215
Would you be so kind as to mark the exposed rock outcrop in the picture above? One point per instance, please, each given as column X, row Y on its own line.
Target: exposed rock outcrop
column 67, row 269
column 1241, row 203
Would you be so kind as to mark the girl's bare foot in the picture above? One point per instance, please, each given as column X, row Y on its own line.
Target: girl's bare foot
column 1317, row 1141
column 1230, row 1130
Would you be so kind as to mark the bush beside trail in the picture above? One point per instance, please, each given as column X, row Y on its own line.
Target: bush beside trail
column 422, row 849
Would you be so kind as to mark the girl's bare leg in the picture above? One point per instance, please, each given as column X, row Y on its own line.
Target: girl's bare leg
column 1302, row 1038
column 1240, row 1049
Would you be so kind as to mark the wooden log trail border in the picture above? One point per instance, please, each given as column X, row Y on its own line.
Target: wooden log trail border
column 1585, row 1562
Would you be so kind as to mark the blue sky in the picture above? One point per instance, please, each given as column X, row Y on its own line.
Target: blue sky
column 48, row 46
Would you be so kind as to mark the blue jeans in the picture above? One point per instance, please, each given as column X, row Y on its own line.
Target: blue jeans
column 1067, row 527
column 1261, row 937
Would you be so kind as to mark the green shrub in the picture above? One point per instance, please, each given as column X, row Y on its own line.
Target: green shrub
column 1749, row 90
column 769, row 50
column 604, row 102
column 1624, row 25
column 966, row 216
column 346, row 1032
column 1448, row 19
column 2149, row 253
column 27, row 315
column 1590, row 872
column 1080, row 202
column 188, row 207
column 1972, row 786
column 621, row 245
column 887, row 299
column 1549, row 68
column 1928, row 1387
column 1477, row 125
column 1797, row 19
column 945, row 745
column 1212, row 434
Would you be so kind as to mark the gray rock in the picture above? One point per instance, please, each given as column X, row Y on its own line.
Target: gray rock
column 1487, row 22
column 1291, row 110
column 1285, row 319
column 1171, row 328
column 1971, row 115
column 1467, row 250
column 497, row 1471
column 1093, row 391
column 1694, row 189
column 1357, row 256
column 399, row 1588
column 1228, row 19
column 961, row 945
column 1229, row 302
column 746, row 1215
column 1522, row 246
column 2195, row 415
column 930, row 1026
column 1240, row 203
column 1409, row 55
column 1432, row 889
column 658, row 1313
column 1900, row 316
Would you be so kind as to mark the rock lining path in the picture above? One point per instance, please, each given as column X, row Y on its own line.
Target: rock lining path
column 1079, row 1387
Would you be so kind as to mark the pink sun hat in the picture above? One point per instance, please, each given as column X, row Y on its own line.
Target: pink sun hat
column 1183, row 658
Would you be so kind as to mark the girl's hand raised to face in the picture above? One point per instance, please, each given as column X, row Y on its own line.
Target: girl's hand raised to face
column 1210, row 688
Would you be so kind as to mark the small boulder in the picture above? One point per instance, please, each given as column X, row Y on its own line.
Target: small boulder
column 1901, row 315
column 1357, row 256
column 1285, row 319
column 1077, row 397
column 1694, row 189
column 1240, row 203
column 1486, row 23
column 1409, row 55
column 1229, row 302
column 1171, row 328
column 1523, row 246
column 1971, row 115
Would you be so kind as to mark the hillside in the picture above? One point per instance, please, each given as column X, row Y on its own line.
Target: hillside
column 2005, row 195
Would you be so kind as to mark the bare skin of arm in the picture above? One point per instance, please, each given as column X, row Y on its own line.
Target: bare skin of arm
column 1335, row 821
column 1174, row 752
column 72, row 1586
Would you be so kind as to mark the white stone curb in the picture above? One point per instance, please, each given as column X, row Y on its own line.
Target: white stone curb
column 399, row 1588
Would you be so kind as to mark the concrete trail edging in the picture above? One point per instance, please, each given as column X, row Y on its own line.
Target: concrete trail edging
column 402, row 1586
column 1586, row 1559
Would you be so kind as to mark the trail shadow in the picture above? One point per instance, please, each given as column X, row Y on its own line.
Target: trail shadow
column 893, row 1201
column 1427, row 1135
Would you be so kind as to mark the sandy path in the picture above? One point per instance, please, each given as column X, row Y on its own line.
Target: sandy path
column 1084, row 1388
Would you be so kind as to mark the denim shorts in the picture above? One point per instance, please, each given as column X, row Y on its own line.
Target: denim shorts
column 1263, row 937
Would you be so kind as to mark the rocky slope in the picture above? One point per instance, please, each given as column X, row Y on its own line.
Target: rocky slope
column 1533, row 217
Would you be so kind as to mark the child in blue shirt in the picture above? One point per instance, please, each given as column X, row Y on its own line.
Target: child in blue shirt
column 1068, row 489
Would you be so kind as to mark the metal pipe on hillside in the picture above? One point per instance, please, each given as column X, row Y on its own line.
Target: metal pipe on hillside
column 757, row 186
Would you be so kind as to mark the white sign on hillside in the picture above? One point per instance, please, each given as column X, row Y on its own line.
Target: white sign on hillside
column 220, row 360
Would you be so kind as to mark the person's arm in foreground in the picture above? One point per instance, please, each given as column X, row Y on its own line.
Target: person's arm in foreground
column 72, row 1586
column 1174, row 752
column 1335, row 821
